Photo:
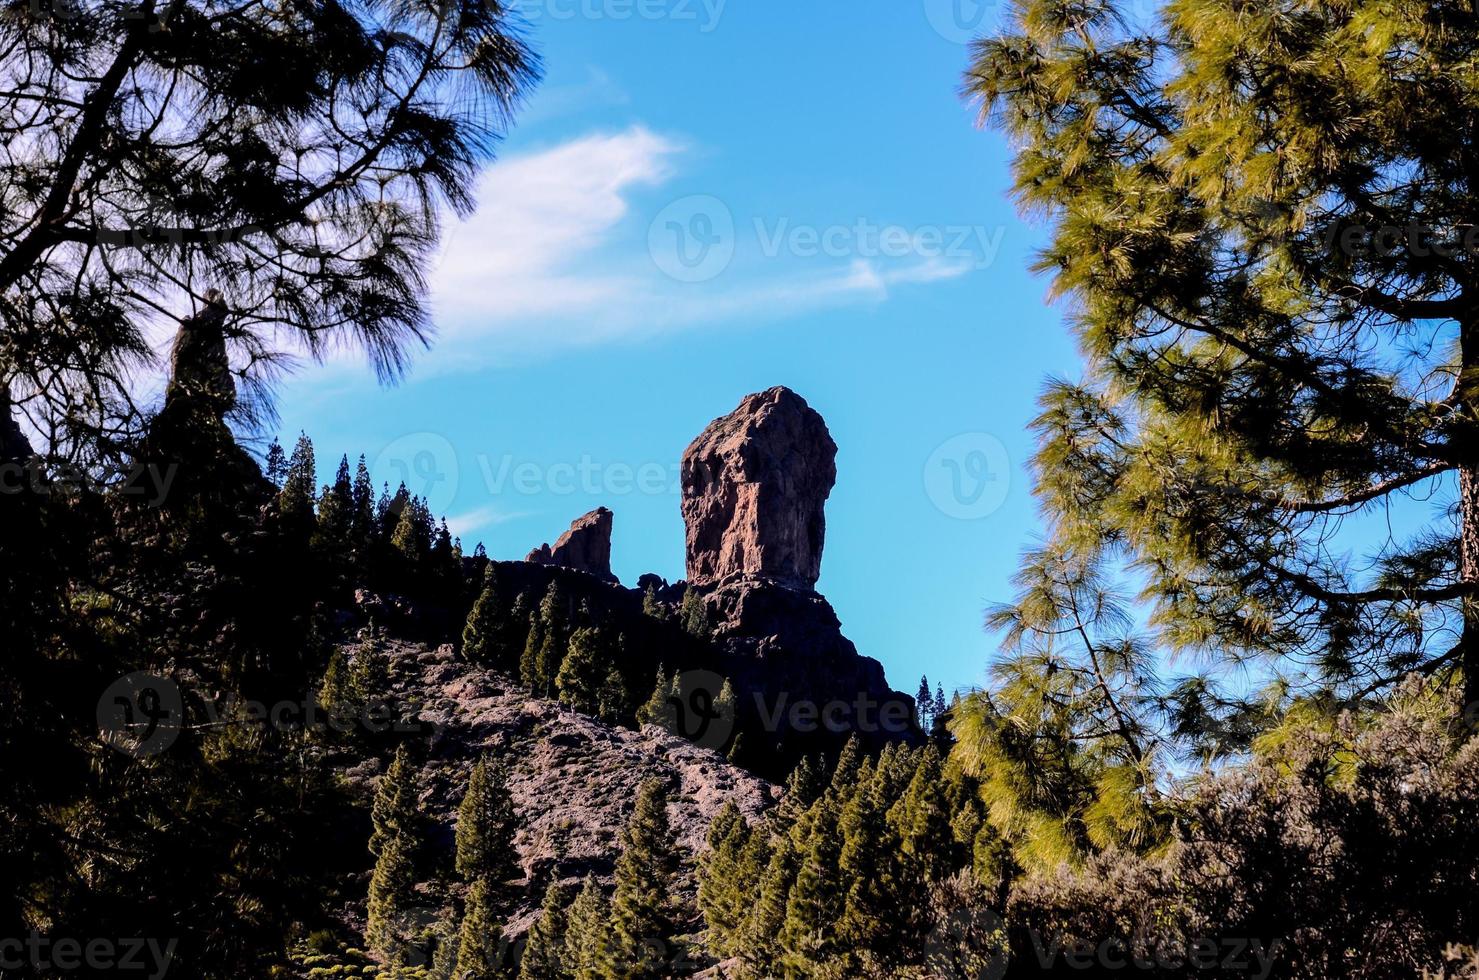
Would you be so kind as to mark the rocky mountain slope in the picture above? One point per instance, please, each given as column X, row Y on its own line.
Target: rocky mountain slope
column 573, row 778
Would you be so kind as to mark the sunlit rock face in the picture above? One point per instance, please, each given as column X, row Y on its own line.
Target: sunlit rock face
column 755, row 483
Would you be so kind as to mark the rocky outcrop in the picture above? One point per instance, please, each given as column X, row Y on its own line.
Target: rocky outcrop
column 586, row 547
column 754, row 486
column 573, row 779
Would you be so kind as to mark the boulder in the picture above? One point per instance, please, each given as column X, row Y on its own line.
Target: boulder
column 754, row 486
column 586, row 547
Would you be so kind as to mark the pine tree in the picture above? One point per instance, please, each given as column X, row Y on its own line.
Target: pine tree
column 369, row 673
column 276, row 469
column 921, row 820
column 334, row 538
column 391, row 895
column 482, row 952
column 529, row 662
column 295, row 501
column 612, row 703
column 362, row 500
column 694, row 614
column 759, row 936
column 580, row 676
column 484, row 627
column 1274, row 346
column 937, row 713
column 727, row 881
column 588, row 935
column 554, row 616
column 845, row 774
column 869, row 873
column 653, row 606
column 924, row 704
column 656, row 710
column 394, row 815
column 544, row 948
column 804, row 787
column 486, row 824
column 814, row 903
column 642, row 913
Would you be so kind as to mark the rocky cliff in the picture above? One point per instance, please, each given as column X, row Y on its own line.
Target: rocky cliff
column 754, row 486
column 586, row 547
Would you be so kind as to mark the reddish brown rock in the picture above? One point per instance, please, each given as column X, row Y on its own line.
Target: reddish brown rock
column 754, row 486
column 586, row 547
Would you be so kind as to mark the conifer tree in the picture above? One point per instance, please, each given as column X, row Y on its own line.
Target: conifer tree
column 394, row 813
column 937, row 713
column 529, row 661
column 924, row 704
column 334, row 538
column 544, row 948
column 653, row 606
column 869, row 875
column 656, row 710
column 482, row 952
column 483, row 628
column 1276, row 308
column 642, row 913
column 580, row 676
column 295, row 501
column 362, row 498
column 612, row 703
column 726, row 885
column 845, row 773
column 588, row 935
column 369, row 672
column 486, row 825
column 804, row 787
column 276, row 469
column 759, row 943
column 391, row 895
column 921, row 820
column 814, row 903
column 694, row 614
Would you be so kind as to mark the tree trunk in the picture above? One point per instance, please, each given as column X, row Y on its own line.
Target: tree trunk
column 1468, row 511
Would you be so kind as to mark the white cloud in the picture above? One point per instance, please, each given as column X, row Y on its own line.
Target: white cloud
column 461, row 525
column 557, row 255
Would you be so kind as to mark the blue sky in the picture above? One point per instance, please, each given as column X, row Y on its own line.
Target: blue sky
column 705, row 199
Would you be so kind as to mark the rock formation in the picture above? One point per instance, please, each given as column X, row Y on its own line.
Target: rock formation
column 586, row 547
column 754, row 486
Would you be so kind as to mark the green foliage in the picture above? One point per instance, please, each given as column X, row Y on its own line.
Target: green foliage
column 486, row 825
column 529, row 660
column 545, row 947
column 588, row 940
column 395, row 814
column 654, row 606
column 643, row 914
column 484, row 626
column 1246, row 208
column 582, row 672
column 657, row 710
column 295, row 501
column 482, row 952
column 693, row 613
column 391, row 895
column 613, row 702
column 729, row 874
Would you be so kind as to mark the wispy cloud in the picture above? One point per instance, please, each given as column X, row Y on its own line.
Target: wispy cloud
column 557, row 255
column 481, row 518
